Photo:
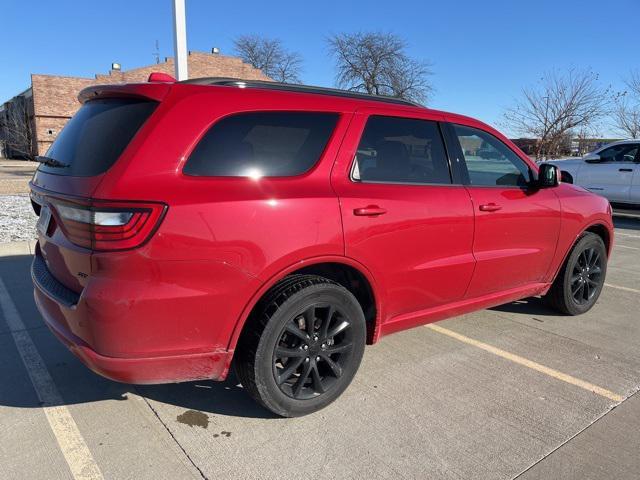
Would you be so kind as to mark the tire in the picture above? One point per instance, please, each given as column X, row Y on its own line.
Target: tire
column 579, row 283
column 321, row 325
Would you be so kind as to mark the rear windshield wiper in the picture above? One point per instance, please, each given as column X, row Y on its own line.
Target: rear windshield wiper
column 50, row 162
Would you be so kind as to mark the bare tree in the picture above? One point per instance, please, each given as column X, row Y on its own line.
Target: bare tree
column 633, row 82
column 16, row 128
column 626, row 111
column 583, row 138
column 558, row 106
column 377, row 63
column 270, row 56
column 626, row 116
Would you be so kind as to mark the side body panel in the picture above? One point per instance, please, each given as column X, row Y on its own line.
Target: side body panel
column 516, row 227
column 634, row 194
column 612, row 180
column 420, row 249
column 513, row 246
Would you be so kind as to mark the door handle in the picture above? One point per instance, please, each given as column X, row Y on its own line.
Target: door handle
column 490, row 207
column 369, row 211
column 625, row 169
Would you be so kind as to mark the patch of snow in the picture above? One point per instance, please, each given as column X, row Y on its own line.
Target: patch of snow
column 17, row 219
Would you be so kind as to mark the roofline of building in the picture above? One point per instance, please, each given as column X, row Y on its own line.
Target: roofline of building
column 61, row 76
column 166, row 60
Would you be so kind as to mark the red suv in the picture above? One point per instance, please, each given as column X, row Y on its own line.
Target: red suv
column 183, row 225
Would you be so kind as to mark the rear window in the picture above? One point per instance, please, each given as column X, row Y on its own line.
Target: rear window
column 98, row 133
column 262, row 144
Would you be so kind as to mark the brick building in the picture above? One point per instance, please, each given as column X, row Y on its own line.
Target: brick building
column 40, row 112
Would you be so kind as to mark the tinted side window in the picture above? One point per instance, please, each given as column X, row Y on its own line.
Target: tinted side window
column 401, row 150
column 620, row 153
column 91, row 142
column 263, row 144
column 489, row 161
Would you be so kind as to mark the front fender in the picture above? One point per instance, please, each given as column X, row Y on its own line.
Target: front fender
column 580, row 211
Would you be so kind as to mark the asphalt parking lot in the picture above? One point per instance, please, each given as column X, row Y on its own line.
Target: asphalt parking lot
column 511, row 392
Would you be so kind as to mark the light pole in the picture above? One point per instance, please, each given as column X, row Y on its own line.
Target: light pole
column 180, row 40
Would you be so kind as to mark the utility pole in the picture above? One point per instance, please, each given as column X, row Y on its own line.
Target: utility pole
column 180, row 40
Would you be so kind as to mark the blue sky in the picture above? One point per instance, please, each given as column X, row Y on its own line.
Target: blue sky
column 483, row 52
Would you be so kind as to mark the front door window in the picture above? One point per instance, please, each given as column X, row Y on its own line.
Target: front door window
column 489, row 161
column 625, row 153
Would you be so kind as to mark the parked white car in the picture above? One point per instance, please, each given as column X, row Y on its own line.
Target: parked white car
column 612, row 171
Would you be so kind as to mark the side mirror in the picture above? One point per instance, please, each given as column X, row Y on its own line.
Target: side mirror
column 592, row 158
column 565, row 177
column 548, row 176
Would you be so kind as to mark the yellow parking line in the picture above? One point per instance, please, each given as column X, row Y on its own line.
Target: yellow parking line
column 626, row 289
column 530, row 364
column 73, row 447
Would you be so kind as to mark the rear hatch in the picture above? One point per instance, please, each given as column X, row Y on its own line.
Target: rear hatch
column 72, row 224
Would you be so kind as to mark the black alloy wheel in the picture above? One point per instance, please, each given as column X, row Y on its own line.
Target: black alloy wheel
column 312, row 351
column 302, row 345
column 581, row 279
column 586, row 277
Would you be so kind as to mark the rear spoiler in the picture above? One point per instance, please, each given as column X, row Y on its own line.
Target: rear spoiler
column 151, row 91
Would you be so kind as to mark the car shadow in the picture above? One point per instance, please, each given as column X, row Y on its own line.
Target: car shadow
column 627, row 223
column 218, row 398
column 77, row 384
column 527, row 306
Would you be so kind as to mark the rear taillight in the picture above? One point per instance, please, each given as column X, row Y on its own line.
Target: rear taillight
column 104, row 226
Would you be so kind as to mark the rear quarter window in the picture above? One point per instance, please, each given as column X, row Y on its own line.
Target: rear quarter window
column 262, row 144
column 91, row 142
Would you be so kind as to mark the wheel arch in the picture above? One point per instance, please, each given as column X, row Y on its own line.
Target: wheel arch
column 349, row 273
column 603, row 232
column 598, row 228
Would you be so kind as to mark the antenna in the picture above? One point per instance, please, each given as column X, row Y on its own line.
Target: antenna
column 156, row 53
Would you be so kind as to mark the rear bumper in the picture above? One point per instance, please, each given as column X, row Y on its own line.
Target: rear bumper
column 151, row 370
column 131, row 345
column 148, row 370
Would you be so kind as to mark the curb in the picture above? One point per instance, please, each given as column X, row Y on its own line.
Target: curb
column 17, row 248
column 627, row 214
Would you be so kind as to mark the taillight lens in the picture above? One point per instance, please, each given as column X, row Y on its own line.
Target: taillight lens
column 107, row 226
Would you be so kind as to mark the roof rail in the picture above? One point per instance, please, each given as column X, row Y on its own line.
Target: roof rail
column 291, row 87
